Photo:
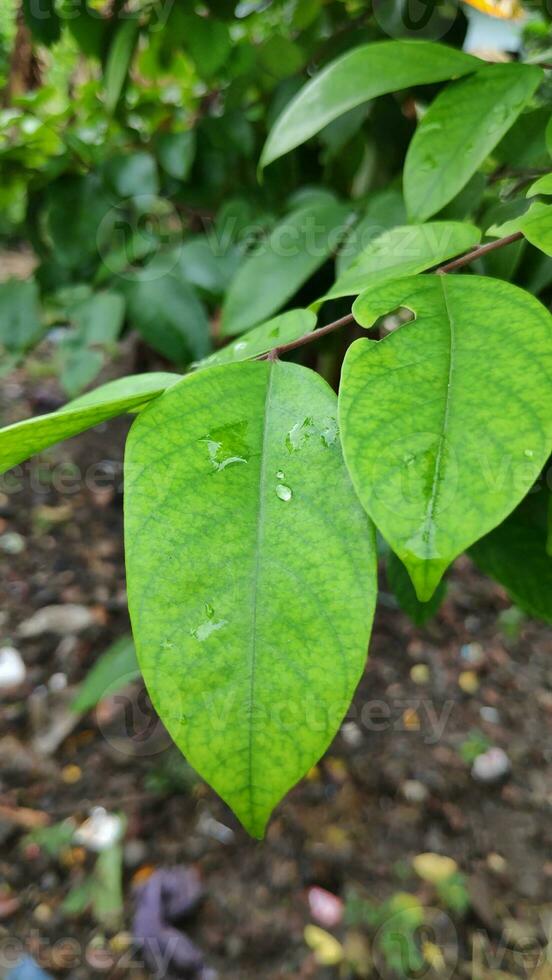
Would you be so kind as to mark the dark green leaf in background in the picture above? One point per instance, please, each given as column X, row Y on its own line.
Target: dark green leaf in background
column 515, row 555
column 20, row 324
column 280, row 264
column 168, row 314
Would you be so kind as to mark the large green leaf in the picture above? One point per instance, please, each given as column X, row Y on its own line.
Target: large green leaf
column 295, row 248
column 404, row 251
column 19, row 315
column 239, row 525
column 447, row 422
column 459, row 130
column 515, row 554
column 24, row 439
column 357, row 76
column 535, row 225
column 276, row 332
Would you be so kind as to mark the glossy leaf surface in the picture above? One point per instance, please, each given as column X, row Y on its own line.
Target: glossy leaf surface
column 364, row 73
column 238, row 526
column 434, row 456
column 461, row 127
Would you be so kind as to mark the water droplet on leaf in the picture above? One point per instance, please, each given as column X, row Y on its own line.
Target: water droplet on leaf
column 283, row 492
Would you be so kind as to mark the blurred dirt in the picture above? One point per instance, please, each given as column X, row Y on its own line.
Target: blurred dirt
column 396, row 782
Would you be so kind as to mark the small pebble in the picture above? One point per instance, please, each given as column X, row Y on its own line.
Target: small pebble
column 326, row 908
column 434, row 868
column 472, row 654
column 496, row 863
column 491, row 766
column 12, row 668
column 420, row 674
column 489, row 714
column 351, row 733
column 57, row 682
column 411, row 720
column 42, row 913
column 12, row 543
column 414, row 791
column 71, row 774
column 468, row 681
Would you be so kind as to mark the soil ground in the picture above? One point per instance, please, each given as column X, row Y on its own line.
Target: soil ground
column 395, row 783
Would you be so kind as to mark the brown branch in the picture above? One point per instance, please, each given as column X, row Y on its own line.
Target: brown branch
column 477, row 252
column 462, row 260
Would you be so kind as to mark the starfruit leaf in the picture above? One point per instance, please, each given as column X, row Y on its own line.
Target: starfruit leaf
column 515, row 555
column 237, row 528
column 24, row 439
column 401, row 586
column 535, row 225
column 404, row 251
column 280, row 330
column 541, row 186
column 294, row 250
column 359, row 75
column 459, row 130
column 446, row 422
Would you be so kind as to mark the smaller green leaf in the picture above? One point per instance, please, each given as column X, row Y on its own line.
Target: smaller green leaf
column 404, row 251
column 176, row 152
column 208, row 42
column 515, row 554
column 282, row 263
column 20, row 325
column 400, row 584
column 535, row 225
column 118, row 62
column 276, row 332
column 548, row 136
column 461, row 127
column 24, row 439
column 112, row 671
column 541, row 186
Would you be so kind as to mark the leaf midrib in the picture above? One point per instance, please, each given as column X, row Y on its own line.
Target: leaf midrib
column 256, row 574
column 437, row 471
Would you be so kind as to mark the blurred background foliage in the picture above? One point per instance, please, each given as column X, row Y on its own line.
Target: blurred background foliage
column 130, row 134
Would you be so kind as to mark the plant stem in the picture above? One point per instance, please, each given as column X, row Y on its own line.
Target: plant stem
column 344, row 321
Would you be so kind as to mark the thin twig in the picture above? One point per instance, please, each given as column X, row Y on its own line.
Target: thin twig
column 462, row 260
column 477, row 252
